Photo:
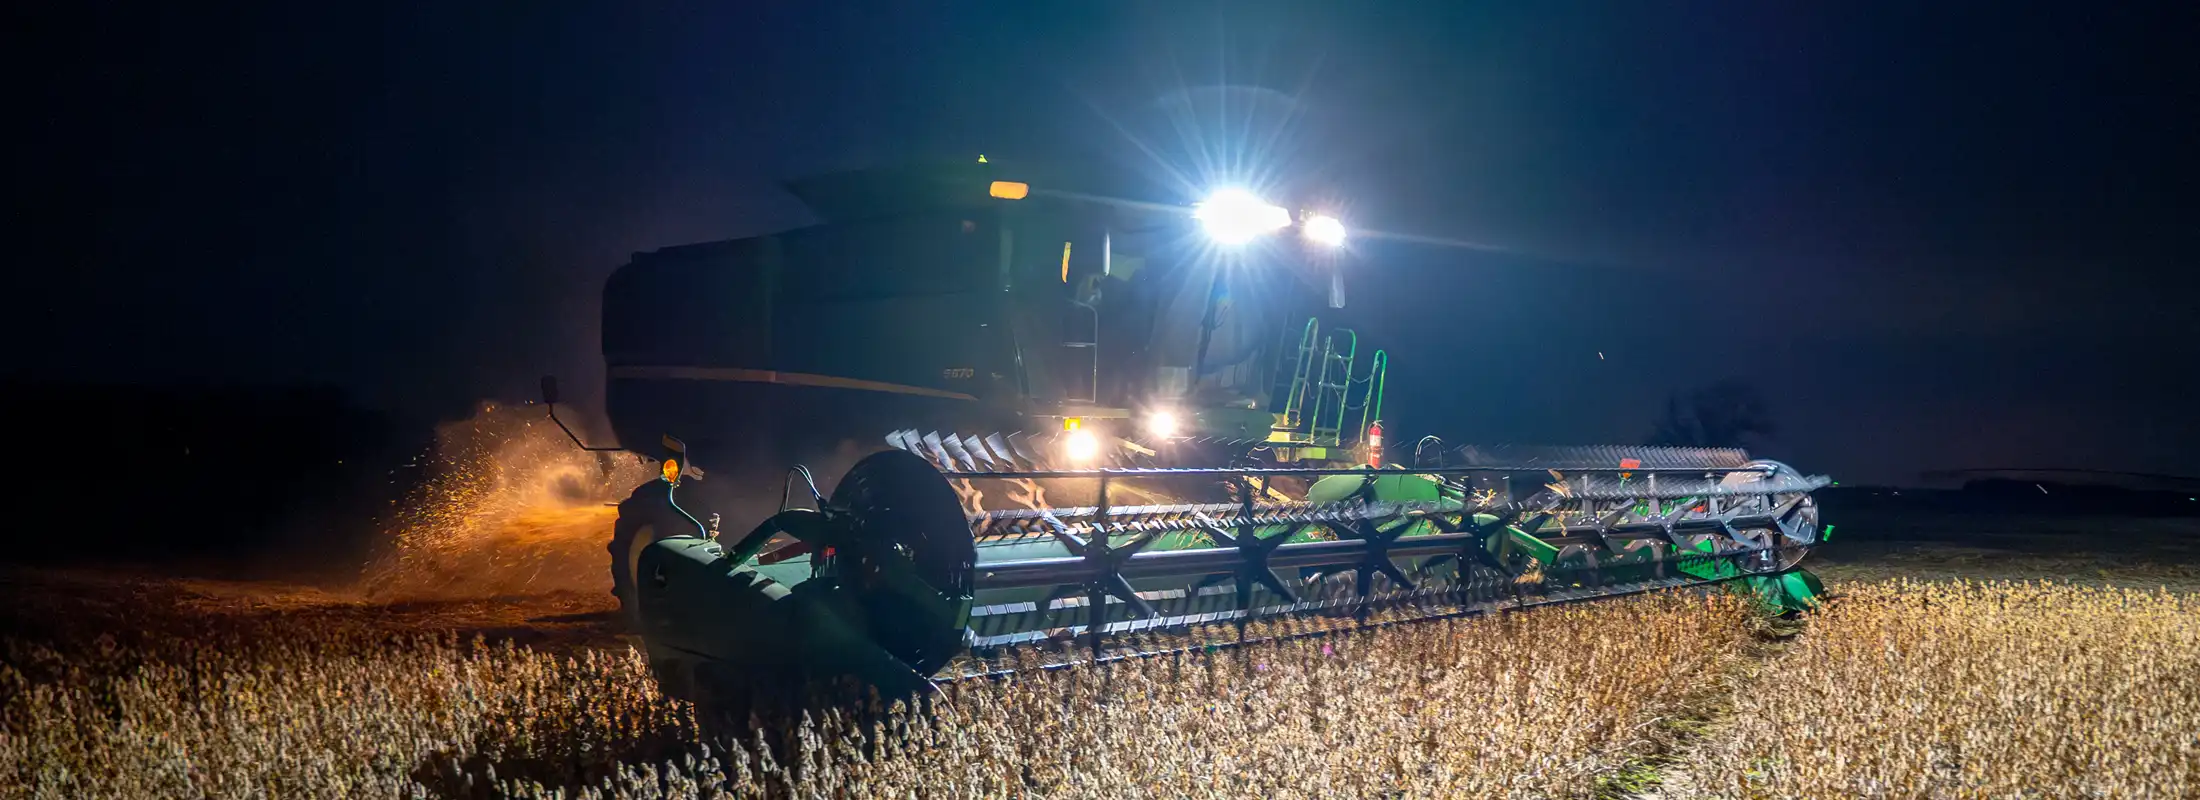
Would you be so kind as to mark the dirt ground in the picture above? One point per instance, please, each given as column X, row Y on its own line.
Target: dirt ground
column 65, row 605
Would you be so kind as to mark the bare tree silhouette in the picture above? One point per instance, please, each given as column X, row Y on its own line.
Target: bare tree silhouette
column 1729, row 413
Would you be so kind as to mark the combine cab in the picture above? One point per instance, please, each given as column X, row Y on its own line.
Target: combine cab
column 1058, row 419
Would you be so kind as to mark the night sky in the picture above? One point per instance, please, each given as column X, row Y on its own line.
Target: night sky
column 1938, row 237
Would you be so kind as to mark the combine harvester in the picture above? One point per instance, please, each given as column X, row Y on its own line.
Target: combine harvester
column 1070, row 418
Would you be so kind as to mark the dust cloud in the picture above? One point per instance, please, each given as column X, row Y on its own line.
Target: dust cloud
column 508, row 506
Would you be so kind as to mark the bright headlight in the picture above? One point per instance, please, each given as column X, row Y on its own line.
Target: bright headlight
column 1323, row 230
column 1081, row 445
column 1161, row 424
column 1236, row 216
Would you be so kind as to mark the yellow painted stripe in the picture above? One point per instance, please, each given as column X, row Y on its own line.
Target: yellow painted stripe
column 775, row 376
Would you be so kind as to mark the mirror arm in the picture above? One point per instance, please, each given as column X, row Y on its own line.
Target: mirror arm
column 550, row 401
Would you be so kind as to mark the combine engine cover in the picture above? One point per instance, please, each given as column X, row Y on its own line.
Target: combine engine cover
column 943, row 299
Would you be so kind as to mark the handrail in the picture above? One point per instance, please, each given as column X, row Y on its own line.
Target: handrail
column 1341, row 390
column 1371, row 401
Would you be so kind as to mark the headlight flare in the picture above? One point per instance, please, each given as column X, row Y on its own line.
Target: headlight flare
column 1081, row 445
column 1236, row 216
column 1323, row 230
column 1162, row 424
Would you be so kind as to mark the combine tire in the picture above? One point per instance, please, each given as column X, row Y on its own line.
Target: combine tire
column 628, row 539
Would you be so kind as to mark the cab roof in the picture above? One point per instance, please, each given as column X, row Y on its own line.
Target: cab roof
column 917, row 187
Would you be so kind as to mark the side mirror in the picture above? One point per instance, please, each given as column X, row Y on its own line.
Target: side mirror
column 550, row 389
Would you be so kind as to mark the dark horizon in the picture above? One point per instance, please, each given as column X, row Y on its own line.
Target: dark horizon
column 1936, row 238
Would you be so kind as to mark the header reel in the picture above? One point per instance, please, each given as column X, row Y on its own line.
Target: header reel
column 905, row 567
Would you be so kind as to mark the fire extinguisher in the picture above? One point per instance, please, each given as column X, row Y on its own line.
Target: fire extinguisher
column 1375, row 444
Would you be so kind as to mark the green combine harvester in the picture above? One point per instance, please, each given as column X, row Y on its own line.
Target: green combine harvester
column 1058, row 418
